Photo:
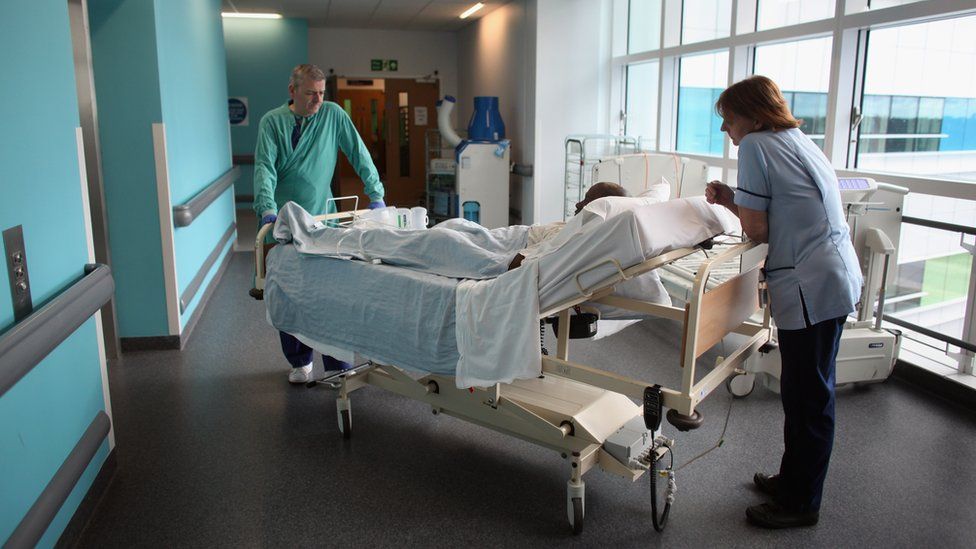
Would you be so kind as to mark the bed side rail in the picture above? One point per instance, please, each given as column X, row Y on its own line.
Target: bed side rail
column 711, row 315
column 606, row 286
column 259, row 255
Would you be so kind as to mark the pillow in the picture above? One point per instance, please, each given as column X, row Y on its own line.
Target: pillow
column 612, row 206
column 660, row 191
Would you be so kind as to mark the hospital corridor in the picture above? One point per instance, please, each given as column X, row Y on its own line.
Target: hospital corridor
column 514, row 273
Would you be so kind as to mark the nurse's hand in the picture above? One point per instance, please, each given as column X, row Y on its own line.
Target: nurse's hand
column 376, row 204
column 719, row 193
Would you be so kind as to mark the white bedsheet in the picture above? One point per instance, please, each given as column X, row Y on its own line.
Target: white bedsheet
column 496, row 310
column 494, row 317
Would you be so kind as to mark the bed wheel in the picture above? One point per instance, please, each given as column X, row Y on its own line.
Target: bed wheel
column 575, row 505
column 741, row 386
column 345, row 423
column 577, row 516
column 683, row 422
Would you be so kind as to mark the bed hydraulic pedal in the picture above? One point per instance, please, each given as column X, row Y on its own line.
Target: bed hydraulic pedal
column 653, row 407
column 581, row 325
column 684, row 422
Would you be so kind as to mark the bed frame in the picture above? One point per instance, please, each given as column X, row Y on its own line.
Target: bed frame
column 581, row 411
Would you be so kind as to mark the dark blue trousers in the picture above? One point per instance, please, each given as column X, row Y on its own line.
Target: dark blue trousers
column 299, row 354
column 807, row 389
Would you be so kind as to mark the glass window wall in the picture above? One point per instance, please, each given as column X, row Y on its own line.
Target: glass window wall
column 642, row 95
column 702, row 78
column 919, row 101
column 802, row 71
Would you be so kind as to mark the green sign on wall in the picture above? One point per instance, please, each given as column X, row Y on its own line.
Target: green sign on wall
column 383, row 65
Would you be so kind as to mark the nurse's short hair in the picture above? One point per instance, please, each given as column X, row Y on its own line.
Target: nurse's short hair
column 757, row 98
column 303, row 72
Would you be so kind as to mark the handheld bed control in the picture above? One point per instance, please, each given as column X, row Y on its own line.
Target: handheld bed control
column 653, row 407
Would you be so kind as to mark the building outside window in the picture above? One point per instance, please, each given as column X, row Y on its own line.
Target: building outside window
column 802, row 71
column 702, row 79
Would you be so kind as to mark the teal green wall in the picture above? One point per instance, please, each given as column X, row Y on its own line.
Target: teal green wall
column 260, row 56
column 160, row 61
column 123, row 39
column 193, row 93
column 44, row 415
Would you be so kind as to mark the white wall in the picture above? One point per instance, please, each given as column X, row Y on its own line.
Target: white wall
column 572, row 89
column 349, row 51
column 496, row 57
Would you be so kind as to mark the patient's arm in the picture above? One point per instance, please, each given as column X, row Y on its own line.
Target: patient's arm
column 516, row 262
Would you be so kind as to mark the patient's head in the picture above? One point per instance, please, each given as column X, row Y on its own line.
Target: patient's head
column 600, row 190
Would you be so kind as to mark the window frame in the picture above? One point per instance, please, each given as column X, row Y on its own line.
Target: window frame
column 849, row 27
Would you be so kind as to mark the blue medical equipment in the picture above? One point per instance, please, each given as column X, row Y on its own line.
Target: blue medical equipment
column 486, row 122
column 472, row 211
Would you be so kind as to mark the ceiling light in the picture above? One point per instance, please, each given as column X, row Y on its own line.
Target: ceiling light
column 251, row 15
column 472, row 9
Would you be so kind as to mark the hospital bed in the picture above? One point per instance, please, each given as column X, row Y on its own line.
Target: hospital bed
column 867, row 352
column 585, row 414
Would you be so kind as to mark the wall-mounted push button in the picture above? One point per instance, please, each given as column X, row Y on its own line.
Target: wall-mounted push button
column 17, row 273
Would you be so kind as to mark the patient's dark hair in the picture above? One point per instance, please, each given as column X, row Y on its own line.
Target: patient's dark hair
column 603, row 190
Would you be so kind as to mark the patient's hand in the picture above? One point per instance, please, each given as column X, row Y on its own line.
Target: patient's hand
column 516, row 262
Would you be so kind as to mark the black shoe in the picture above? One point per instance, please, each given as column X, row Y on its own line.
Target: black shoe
column 771, row 515
column 767, row 484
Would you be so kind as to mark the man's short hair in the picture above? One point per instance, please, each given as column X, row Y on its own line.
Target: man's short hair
column 303, row 72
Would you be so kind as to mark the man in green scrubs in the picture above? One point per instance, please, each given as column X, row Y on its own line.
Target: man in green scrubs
column 297, row 149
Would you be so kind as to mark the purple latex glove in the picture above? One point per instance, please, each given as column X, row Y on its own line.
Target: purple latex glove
column 377, row 204
column 270, row 218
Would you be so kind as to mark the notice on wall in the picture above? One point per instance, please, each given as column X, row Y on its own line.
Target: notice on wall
column 237, row 109
column 420, row 116
column 378, row 65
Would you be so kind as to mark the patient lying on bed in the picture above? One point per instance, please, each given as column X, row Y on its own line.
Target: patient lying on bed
column 461, row 249
column 540, row 233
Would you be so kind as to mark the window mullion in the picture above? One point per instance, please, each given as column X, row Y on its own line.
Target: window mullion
column 840, row 95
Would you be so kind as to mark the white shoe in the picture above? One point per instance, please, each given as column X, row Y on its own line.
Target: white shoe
column 300, row 375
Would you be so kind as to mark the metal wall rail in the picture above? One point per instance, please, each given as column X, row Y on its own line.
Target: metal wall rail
column 30, row 340
column 208, row 263
column 184, row 214
column 35, row 523
column 931, row 333
column 952, row 227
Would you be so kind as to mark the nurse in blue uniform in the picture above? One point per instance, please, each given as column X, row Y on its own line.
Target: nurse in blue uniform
column 788, row 196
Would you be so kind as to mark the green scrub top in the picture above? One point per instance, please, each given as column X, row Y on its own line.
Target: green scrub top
column 304, row 175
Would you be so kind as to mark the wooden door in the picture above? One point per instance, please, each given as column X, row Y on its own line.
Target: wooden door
column 410, row 111
column 366, row 108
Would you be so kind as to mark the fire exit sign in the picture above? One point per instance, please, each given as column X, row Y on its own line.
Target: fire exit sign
column 383, row 65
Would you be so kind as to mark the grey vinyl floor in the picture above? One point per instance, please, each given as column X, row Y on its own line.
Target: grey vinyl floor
column 216, row 449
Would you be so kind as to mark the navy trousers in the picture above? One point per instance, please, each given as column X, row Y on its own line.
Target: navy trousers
column 807, row 389
column 299, row 354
